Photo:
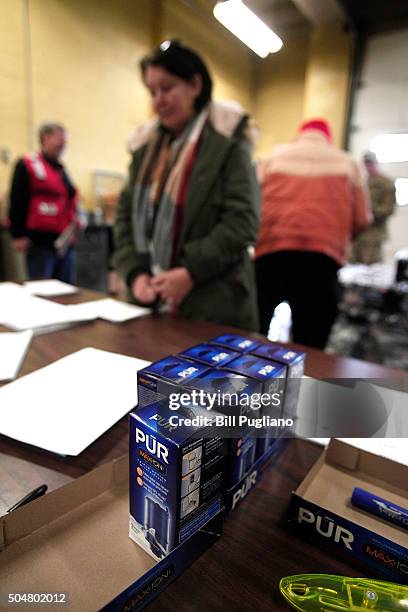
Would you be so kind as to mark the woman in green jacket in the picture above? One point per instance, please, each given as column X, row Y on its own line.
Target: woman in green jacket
column 188, row 218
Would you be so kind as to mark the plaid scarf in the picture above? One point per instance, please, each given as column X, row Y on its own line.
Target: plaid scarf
column 160, row 189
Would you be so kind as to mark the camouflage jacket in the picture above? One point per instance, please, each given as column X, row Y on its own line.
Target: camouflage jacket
column 367, row 248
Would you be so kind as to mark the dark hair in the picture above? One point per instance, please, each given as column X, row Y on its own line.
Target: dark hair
column 49, row 128
column 369, row 158
column 183, row 62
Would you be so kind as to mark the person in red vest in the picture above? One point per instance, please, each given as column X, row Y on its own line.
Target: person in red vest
column 43, row 207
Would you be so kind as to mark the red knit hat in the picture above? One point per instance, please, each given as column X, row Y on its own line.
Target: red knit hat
column 317, row 124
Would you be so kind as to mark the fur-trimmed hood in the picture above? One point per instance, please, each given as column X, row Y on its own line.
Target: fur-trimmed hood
column 225, row 117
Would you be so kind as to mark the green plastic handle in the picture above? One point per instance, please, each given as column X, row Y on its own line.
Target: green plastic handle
column 325, row 592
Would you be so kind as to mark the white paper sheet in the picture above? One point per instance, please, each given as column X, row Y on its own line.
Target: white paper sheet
column 50, row 287
column 111, row 310
column 66, row 406
column 20, row 311
column 13, row 349
column 10, row 291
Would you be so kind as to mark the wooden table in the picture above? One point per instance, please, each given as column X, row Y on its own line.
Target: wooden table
column 243, row 569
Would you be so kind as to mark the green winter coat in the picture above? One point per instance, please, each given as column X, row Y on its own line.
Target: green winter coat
column 221, row 218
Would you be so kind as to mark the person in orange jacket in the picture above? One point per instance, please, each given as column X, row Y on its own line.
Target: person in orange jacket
column 313, row 204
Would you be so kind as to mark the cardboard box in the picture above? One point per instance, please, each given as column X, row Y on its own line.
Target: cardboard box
column 75, row 540
column 321, row 508
column 176, row 476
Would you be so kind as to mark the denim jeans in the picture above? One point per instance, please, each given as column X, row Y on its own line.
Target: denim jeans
column 43, row 262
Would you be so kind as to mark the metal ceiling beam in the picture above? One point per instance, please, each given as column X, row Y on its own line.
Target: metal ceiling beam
column 320, row 12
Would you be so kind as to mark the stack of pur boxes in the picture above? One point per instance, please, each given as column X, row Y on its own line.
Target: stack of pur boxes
column 193, row 440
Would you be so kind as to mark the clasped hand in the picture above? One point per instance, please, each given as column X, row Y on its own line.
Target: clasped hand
column 171, row 286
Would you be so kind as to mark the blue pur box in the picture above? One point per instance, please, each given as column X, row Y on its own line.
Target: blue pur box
column 270, row 376
column 232, row 388
column 270, row 379
column 242, row 344
column 241, row 456
column 209, row 355
column 295, row 368
column 263, row 444
column 176, row 476
column 169, row 375
column 230, row 393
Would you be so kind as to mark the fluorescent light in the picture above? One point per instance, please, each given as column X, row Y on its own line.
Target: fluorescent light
column 390, row 148
column 401, row 191
column 236, row 17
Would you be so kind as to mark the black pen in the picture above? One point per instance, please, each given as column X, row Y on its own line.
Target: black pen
column 29, row 497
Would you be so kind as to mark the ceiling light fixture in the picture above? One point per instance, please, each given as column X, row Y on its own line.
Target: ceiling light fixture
column 252, row 31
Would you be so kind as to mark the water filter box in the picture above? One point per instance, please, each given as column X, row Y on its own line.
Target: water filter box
column 209, row 355
column 161, row 378
column 262, row 445
column 242, row 344
column 227, row 392
column 271, row 376
column 176, row 476
column 294, row 361
column 271, row 380
column 234, row 395
column 241, row 456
